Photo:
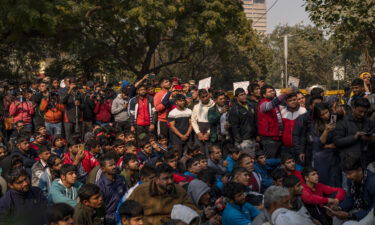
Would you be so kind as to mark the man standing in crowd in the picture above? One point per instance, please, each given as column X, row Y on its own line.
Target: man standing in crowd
column 199, row 120
column 142, row 112
column 270, row 124
column 215, row 114
column 120, row 110
column 243, row 123
column 73, row 113
column 162, row 110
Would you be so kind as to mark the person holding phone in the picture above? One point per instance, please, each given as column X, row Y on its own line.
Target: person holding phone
column 325, row 155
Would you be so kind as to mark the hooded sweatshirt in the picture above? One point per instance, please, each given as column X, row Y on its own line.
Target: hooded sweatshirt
column 196, row 190
column 199, row 117
column 183, row 213
column 120, row 113
column 284, row 216
column 60, row 193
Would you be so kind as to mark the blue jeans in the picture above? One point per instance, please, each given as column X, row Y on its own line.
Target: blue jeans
column 53, row 128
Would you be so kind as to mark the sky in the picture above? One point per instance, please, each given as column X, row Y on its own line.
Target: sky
column 289, row 12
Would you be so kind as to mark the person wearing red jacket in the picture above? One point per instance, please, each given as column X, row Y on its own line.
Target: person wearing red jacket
column 270, row 124
column 288, row 162
column 103, row 111
column 314, row 195
column 22, row 110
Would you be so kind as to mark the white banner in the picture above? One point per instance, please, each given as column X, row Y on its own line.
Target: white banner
column 243, row 84
column 338, row 73
column 293, row 82
column 204, row 83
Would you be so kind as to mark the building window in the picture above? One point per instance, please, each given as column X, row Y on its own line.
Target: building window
column 259, row 1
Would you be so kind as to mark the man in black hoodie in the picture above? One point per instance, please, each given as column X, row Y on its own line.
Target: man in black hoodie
column 24, row 152
column 22, row 204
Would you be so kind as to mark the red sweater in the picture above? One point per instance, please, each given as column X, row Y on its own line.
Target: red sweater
column 88, row 163
column 317, row 197
column 103, row 111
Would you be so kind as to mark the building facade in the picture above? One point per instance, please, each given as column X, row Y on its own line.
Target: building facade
column 256, row 11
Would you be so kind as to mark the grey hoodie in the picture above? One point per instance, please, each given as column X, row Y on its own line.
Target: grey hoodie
column 284, row 216
column 184, row 213
column 196, row 189
column 120, row 113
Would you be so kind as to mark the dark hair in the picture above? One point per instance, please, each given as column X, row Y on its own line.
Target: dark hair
column 279, row 173
column 318, row 123
column 43, row 149
column 350, row 164
column 291, row 181
column 191, row 161
column 163, row 168
column 291, row 95
column 162, row 136
column 307, row 170
column 232, row 150
column 201, row 92
column 192, row 148
column 51, row 160
column 316, row 91
column 74, row 140
column 237, row 171
column 357, row 82
column 92, row 143
column 242, row 157
column 180, row 97
column 58, row 212
column 259, row 153
column 314, row 97
column 128, row 157
column 252, row 87
column 12, row 175
column 218, row 94
column 169, row 155
column 130, row 208
column 263, row 89
column 285, row 157
column 147, row 171
column 161, row 80
column 21, row 139
column 87, row 191
column 362, row 102
column 104, row 158
column 208, row 176
column 212, row 147
column 118, row 142
column 66, row 168
column 130, row 144
column 233, row 188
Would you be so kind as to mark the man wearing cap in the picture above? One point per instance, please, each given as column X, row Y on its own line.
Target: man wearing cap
column 161, row 109
column 242, row 119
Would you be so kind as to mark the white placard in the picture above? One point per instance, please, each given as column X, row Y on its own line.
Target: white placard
column 243, row 84
column 293, row 82
column 338, row 73
column 204, row 83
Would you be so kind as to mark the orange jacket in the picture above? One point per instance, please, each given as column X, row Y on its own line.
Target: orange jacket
column 53, row 115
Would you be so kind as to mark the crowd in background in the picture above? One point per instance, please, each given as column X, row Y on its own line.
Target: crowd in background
column 81, row 152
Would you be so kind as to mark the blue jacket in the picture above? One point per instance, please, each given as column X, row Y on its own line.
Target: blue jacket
column 27, row 208
column 239, row 215
column 368, row 196
column 112, row 192
column 59, row 193
column 231, row 164
column 264, row 171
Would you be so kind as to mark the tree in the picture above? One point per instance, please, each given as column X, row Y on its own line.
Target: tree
column 311, row 56
column 352, row 23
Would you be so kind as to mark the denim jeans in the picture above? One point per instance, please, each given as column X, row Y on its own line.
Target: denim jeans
column 53, row 128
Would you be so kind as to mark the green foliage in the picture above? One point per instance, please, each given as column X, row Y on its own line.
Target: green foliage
column 351, row 22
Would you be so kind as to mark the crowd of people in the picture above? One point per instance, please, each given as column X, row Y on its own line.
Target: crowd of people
column 79, row 152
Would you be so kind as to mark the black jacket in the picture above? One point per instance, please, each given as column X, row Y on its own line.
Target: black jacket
column 70, row 108
column 23, row 208
column 243, row 122
column 344, row 137
column 88, row 109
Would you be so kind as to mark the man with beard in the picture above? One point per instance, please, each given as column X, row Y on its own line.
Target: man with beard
column 112, row 187
column 22, row 204
column 160, row 195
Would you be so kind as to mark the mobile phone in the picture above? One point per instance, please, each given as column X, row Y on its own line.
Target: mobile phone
column 333, row 118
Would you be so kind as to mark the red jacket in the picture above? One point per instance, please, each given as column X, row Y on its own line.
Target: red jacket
column 103, row 111
column 317, row 197
column 297, row 174
column 88, row 163
column 24, row 111
column 289, row 119
column 268, row 124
